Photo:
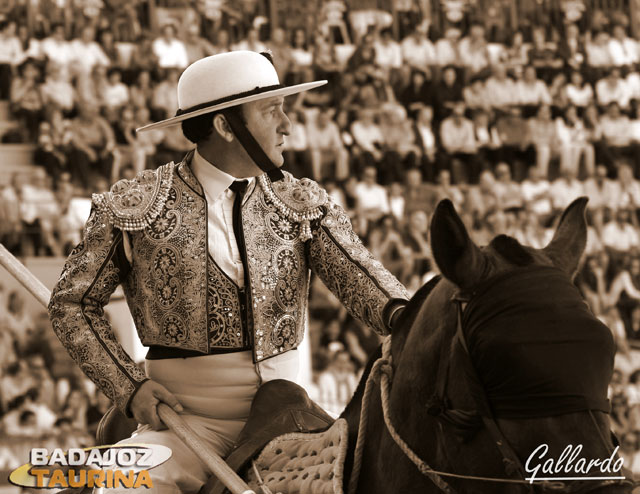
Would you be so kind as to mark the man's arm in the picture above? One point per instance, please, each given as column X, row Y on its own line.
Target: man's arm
column 369, row 292
column 90, row 275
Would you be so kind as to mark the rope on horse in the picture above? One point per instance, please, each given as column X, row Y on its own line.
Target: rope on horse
column 382, row 368
column 383, row 371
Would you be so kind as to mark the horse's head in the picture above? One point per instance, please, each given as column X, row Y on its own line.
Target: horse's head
column 505, row 335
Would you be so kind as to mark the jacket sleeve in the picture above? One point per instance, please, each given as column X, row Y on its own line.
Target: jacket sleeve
column 90, row 275
column 369, row 292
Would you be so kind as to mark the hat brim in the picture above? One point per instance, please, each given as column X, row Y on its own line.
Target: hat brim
column 284, row 91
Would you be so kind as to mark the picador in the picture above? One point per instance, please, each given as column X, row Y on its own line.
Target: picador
column 214, row 255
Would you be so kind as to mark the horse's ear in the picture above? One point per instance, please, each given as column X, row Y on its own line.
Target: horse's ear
column 459, row 259
column 570, row 238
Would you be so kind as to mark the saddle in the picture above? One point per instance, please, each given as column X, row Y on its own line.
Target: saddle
column 281, row 416
column 279, row 407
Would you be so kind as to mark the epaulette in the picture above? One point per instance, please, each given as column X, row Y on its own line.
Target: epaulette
column 298, row 200
column 134, row 204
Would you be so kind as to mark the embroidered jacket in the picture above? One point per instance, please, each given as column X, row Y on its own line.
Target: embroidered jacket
column 177, row 295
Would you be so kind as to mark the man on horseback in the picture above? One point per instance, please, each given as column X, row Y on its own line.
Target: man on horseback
column 213, row 255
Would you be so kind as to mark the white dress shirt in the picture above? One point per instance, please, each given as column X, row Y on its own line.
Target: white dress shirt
column 222, row 242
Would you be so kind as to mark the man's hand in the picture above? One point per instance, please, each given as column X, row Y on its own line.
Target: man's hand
column 144, row 403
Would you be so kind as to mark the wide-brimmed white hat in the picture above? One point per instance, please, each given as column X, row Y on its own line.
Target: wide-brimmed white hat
column 225, row 80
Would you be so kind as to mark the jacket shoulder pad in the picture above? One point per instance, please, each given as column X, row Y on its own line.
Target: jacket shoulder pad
column 298, row 200
column 134, row 204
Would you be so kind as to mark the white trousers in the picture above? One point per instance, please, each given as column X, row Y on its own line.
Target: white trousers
column 216, row 392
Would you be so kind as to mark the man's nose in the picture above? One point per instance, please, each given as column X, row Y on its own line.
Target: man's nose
column 285, row 125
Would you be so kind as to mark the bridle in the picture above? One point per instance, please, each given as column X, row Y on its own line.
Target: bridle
column 438, row 406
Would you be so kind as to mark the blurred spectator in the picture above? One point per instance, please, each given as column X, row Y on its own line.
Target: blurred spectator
column 543, row 55
column 26, row 99
column 92, row 88
column 565, row 189
column 251, row 42
column 418, row 195
column 10, row 221
column 170, row 51
column 173, row 146
column 501, row 89
column 141, row 92
column 337, row 382
column 535, row 194
column 368, row 137
column 579, row 92
column 371, row 199
column 531, row 91
column 57, row 90
column 516, row 54
column 474, row 51
column 624, row 292
column 602, row 191
column 325, row 60
column 329, row 158
column 93, row 146
column 623, row 49
column 107, row 43
column 417, row 93
column 627, row 189
column 507, row 191
column 572, row 49
column 38, row 211
column 458, row 140
column 616, row 133
column 447, row 47
column 619, row 234
column 196, row 46
column 574, row 142
column 281, row 51
column 11, row 54
column 599, row 53
column 54, row 138
column 144, row 57
column 416, row 238
column 401, row 151
column 388, row 52
column 613, row 89
column 301, row 58
column 87, row 53
column 427, row 142
column 444, row 189
column 481, row 198
column 116, row 93
column 487, row 137
column 386, row 245
column 17, row 320
column 513, row 131
column 222, row 42
column 476, row 95
column 445, row 93
column 296, row 147
column 418, row 51
column 165, row 95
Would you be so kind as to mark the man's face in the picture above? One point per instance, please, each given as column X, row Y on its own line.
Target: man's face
column 268, row 123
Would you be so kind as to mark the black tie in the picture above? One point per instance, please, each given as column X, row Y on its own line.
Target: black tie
column 239, row 187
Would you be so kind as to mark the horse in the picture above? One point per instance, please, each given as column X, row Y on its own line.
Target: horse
column 464, row 396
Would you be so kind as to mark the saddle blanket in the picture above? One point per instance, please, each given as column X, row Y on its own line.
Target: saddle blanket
column 302, row 463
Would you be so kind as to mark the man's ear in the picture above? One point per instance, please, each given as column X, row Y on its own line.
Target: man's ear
column 222, row 127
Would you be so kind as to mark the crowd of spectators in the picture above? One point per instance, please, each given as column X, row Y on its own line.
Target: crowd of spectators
column 511, row 126
column 43, row 402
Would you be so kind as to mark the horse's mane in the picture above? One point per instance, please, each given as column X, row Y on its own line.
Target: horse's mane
column 408, row 315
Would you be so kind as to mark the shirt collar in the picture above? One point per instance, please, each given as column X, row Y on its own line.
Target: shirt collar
column 213, row 180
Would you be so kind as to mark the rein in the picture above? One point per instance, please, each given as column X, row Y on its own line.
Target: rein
column 382, row 372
